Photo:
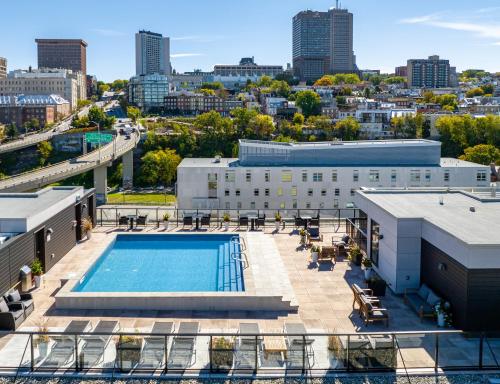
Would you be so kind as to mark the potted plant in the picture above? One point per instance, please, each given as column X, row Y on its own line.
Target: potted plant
column 367, row 265
column 87, row 227
column 41, row 341
column 303, row 237
column 443, row 314
column 221, row 351
column 277, row 219
column 166, row 218
column 355, row 255
column 226, row 219
column 37, row 272
column 314, row 253
column 377, row 285
column 128, row 352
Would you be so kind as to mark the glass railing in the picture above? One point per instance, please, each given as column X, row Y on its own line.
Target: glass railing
column 234, row 353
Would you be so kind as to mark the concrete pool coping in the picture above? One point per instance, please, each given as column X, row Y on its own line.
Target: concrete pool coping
column 259, row 294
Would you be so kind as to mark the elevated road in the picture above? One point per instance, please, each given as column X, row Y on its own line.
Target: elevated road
column 60, row 171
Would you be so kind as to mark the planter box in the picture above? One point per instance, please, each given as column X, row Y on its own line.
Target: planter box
column 221, row 354
column 128, row 354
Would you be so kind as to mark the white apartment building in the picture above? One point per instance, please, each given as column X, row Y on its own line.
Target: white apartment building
column 271, row 175
column 152, row 54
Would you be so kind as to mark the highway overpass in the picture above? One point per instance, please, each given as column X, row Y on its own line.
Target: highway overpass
column 97, row 160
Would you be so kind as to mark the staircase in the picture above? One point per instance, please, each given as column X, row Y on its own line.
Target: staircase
column 230, row 269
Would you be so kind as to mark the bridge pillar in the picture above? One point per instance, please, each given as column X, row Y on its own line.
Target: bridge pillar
column 128, row 170
column 101, row 183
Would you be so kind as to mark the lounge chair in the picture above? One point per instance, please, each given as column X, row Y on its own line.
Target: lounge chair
column 11, row 315
column 63, row 351
column 26, row 299
column 187, row 221
column 299, row 348
column 422, row 301
column 154, row 348
column 141, row 220
column 365, row 292
column 94, row 346
column 371, row 312
column 247, row 346
column 183, row 352
column 314, row 234
column 243, row 221
column 327, row 254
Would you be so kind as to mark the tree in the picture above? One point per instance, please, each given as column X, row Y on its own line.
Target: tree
column 325, row 81
column 395, row 80
column 474, row 92
column 82, row 103
column 265, row 81
column 298, row 119
column 11, row 131
column 159, row 167
column 207, row 92
column 488, row 89
column 242, row 118
column 97, row 116
column 281, row 88
column 133, row 113
column 217, row 134
column 348, row 128
column 309, row 102
column 45, row 150
column 102, row 87
column 216, row 85
column 262, row 126
column 118, row 85
column 482, row 154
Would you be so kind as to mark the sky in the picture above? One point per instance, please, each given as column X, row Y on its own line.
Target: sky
column 208, row 32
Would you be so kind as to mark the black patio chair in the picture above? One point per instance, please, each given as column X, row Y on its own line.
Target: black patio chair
column 187, row 220
column 205, row 220
column 261, row 221
column 123, row 220
column 299, row 222
column 243, row 221
column 26, row 299
column 141, row 220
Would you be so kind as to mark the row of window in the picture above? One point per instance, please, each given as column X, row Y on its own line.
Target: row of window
column 282, row 205
column 293, row 192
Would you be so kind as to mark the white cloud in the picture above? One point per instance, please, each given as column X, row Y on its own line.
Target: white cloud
column 419, row 19
column 487, row 10
column 108, row 32
column 181, row 55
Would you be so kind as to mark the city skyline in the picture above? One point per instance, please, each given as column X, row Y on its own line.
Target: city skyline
column 203, row 35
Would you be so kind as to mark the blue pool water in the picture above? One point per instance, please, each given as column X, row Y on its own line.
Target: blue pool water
column 166, row 263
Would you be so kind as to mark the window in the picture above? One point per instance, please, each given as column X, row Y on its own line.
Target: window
column 334, row 176
column 266, row 205
column 293, row 192
column 446, row 176
column 294, row 204
column 256, row 192
column 212, row 177
column 248, row 176
column 309, row 192
column 394, row 176
column 427, row 176
column 323, row 192
column 337, row 191
column 415, row 176
column 238, row 205
column 317, row 177
column 226, row 192
column 280, row 191
column 282, row 205
column 481, row 176
column 375, row 237
column 335, row 203
column 237, row 192
column 355, row 176
column 286, row 176
column 267, row 176
column 229, row 177
column 308, row 205
column 374, row 176
column 266, row 192
column 252, row 205
column 304, row 177
column 353, row 191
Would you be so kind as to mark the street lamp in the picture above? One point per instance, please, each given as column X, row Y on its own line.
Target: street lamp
column 99, row 136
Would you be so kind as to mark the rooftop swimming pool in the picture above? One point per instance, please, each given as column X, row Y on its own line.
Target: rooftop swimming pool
column 167, row 263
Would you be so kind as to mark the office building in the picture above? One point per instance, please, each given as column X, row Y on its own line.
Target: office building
column 23, row 108
column 443, row 239
column 152, row 54
column 62, row 53
column 148, row 92
column 401, row 71
column 3, row 67
column 247, row 69
column 428, row 73
column 323, row 43
column 271, row 175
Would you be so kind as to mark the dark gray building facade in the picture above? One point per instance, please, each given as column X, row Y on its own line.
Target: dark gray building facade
column 429, row 73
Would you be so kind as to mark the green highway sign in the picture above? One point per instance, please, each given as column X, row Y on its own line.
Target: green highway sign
column 97, row 138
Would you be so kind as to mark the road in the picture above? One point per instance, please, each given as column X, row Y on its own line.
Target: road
column 36, row 138
column 57, row 172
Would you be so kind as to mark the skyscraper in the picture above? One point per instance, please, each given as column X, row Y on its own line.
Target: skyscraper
column 152, row 54
column 429, row 73
column 63, row 53
column 323, row 43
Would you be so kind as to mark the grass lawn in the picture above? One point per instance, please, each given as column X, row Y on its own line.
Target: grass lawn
column 141, row 198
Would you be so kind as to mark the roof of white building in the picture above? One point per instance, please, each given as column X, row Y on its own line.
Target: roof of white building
column 33, row 100
column 468, row 216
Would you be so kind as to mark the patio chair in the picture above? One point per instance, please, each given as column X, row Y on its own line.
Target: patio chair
column 26, row 299
column 299, row 222
column 371, row 312
column 94, row 346
column 299, row 348
column 314, row 221
column 327, row 254
column 367, row 293
column 63, row 351
column 314, row 235
column 123, row 221
column 243, row 221
column 183, row 351
column 247, row 346
column 205, row 220
column 154, row 348
column 11, row 315
column 187, row 221
column 261, row 221
column 141, row 220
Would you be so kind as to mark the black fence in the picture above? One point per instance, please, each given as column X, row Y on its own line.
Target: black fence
column 237, row 353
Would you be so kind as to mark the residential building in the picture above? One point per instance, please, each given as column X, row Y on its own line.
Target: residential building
column 63, row 82
column 91, row 82
column 62, row 53
column 401, row 71
column 323, row 43
column 287, row 176
column 45, row 224
column 152, row 54
column 247, row 69
column 3, row 67
column 148, row 91
column 23, row 108
column 195, row 103
column 428, row 73
column 376, row 122
column 270, row 105
column 444, row 238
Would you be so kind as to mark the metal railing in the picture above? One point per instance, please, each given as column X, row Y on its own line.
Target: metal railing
column 277, row 353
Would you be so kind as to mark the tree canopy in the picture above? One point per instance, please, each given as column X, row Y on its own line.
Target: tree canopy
column 159, row 167
column 482, row 154
column 309, row 102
